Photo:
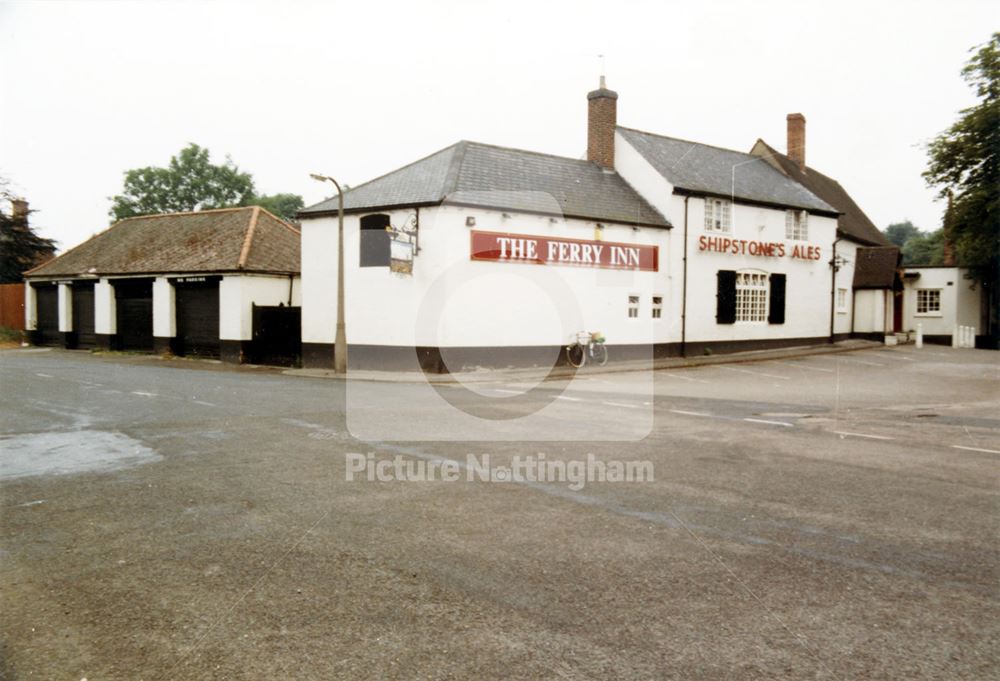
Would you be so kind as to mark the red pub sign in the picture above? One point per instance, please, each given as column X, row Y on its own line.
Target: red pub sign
column 544, row 250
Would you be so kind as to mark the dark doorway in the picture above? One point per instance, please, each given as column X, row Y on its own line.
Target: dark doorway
column 897, row 311
column 134, row 304
column 197, row 305
column 277, row 335
column 83, row 315
column 47, row 314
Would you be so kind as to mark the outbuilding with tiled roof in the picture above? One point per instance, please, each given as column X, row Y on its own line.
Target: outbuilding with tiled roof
column 216, row 283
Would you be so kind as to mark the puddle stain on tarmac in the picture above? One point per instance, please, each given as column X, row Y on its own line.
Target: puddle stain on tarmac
column 69, row 453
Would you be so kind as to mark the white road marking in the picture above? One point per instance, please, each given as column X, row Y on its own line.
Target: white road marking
column 976, row 449
column 849, row 359
column 895, row 356
column 621, row 404
column 673, row 374
column 688, row 413
column 45, row 375
column 144, row 394
column 509, row 392
column 568, row 399
column 803, row 365
column 770, row 423
column 844, row 433
column 206, row 404
column 31, row 503
column 754, row 373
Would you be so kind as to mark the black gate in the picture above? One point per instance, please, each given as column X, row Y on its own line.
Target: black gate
column 47, row 315
column 83, row 314
column 134, row 304
column 197, row 310
column 277, row 335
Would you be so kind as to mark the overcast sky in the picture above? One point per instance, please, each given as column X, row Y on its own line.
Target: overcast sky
column 356, row 89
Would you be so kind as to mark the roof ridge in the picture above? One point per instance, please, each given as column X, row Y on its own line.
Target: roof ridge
column 581, row 161
column 279, row 219
column 184, row 212
column 686, row 141
column 248, row 239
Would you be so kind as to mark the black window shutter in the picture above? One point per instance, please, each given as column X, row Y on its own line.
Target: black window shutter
column 776, row 313
column 725, row 309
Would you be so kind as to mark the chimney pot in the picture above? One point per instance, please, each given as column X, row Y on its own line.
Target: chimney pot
column 602, row 118
column 796, row 144
column 18, row 209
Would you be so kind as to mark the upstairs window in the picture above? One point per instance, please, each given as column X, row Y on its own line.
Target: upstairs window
column 717, row 213
column 842, row 300
column 796, row 225
column 657, row 307
column 375, row 239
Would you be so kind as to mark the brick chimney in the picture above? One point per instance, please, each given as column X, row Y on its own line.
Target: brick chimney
column 947, row 244
column 796, row 146
column 602, row 117
column 19, row 209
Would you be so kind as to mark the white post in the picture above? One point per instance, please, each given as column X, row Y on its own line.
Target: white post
column 920, row 335
column 972, row 337
column 955, row 339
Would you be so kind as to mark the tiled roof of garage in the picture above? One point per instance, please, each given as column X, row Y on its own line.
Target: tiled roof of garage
column 474, row 174
column 875, row 267
column 225, row 240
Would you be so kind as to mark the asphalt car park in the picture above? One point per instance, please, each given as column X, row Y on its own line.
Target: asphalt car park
column 811, row 517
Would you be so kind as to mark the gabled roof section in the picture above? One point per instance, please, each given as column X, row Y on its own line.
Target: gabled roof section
column 225, row 240
column 482, row 175
column 853, row 222
column 703, row 169
column 876, row 267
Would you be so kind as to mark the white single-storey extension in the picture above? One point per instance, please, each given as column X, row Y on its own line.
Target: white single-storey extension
column 939, row 299
column 480, row 255
column 216, row 283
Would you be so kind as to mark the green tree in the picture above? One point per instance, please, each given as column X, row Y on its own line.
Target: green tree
column 192, row 182
column 283, row 205
column 901, row 232
column 924, row 249
column 965, row 160
column 20, row 248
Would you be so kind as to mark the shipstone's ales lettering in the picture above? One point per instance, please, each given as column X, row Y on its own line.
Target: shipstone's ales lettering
column 543, row 250
column 762, row 249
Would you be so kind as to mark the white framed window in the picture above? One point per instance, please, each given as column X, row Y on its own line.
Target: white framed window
column 796, row 225
column 841, row 300
column 657, row 307
column 633, row 307
column 929, row 301
column 751, row 296
column 717, row 215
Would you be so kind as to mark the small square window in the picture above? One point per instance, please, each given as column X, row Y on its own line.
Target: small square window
column 633, row 307
column 842, row 299
column 796, row 225
column 657, row 307
column 928, row 300
column 717, row 215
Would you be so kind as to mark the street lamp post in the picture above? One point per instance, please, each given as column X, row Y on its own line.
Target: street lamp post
column 340, row 343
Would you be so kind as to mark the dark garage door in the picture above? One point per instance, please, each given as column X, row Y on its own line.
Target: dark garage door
column 277, row 335
column 134, row 303
column 47, row 306
column 197, row 305
column 83, row 314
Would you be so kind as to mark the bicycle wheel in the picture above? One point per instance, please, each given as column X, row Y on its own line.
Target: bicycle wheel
column 600, row 353
column 576, row 355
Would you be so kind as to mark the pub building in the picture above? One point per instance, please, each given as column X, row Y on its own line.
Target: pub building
column 485, row 256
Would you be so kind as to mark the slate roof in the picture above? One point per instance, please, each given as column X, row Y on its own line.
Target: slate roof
column 475, row 174
column 704, row 169
column 225, row 240
column 853, row 223
column 876, row 267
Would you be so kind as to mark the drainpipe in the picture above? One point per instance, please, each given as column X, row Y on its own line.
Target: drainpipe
column 291, row 283
column 684, row 284
column 833, row 288
column 854, row 306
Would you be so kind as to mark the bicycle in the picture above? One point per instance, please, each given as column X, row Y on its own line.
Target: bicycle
column 587, row 343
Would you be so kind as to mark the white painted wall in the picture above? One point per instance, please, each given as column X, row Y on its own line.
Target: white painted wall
column 872, row 311
column 847, row 252
column 807, row 303
column 451, row 301
column 65, row 314
column 105, row 320
column 30, row 308
column 238, row 293
column 164, row 309
column 960, row 300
